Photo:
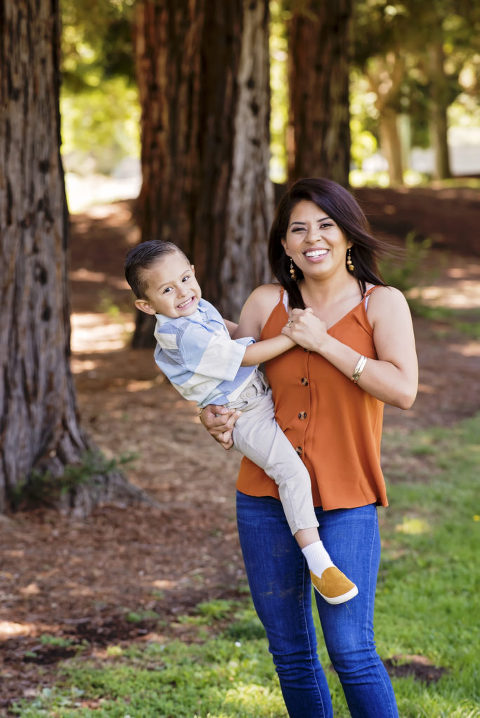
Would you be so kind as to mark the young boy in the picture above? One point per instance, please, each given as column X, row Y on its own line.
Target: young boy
column 196, row 353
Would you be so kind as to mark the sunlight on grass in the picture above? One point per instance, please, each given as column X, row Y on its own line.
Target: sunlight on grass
column 254, row 700
column 413, row 526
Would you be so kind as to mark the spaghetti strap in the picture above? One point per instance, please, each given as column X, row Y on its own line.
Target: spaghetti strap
column 369, row 291
column 284, row 298
column 367, row 294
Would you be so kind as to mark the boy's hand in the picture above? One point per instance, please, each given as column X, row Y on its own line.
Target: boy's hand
column 219, row 422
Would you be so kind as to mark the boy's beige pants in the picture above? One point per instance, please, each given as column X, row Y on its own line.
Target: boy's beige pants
column 258, row 436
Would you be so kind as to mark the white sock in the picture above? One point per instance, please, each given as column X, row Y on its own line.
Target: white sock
column 317, row 557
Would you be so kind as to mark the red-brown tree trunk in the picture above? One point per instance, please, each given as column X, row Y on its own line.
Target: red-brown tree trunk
column 319, row 49
column 203, row 74
column 39, row 424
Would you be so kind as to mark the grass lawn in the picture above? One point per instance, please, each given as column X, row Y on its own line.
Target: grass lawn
column 427, row 615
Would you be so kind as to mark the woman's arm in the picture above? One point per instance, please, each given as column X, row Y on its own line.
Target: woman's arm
column 393, row 376
column 256, row 311
column 231, row 327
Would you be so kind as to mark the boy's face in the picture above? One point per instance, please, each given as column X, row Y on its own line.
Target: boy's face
column 172, row 288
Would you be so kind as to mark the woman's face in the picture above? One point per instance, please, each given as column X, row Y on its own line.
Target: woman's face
column 314, row 241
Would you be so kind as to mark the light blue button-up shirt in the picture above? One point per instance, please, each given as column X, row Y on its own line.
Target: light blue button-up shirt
column 199, row 358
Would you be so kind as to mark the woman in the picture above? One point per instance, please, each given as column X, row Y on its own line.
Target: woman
column 355, row 351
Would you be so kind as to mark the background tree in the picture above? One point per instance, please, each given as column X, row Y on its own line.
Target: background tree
column 413, row 54
column 39, row 426
column 382, row 35
column 318, row 61
column 203, row 76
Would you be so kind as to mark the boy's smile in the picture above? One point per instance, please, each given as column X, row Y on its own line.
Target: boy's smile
column 172, row 288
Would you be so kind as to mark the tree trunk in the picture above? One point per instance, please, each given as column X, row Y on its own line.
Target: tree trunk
column 203, row 74
column 319, row 49
column 391, row 145
column 39, row 424
column 385, row 76
column 439, row 101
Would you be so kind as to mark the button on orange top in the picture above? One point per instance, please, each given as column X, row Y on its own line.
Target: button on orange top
column 335, row 425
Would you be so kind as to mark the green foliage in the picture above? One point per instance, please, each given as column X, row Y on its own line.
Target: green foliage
column 216, row 608
column 279, row 90
column 466, row 321
column 100, row 126
column 140, row 616
column 43, row 488
column 99, row 98
column 426, row 606
column 56, row 641
column 408, row 270
column 97, row 42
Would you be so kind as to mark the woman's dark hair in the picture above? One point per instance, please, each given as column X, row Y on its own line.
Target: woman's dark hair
column 143, row 256
column 343, row 208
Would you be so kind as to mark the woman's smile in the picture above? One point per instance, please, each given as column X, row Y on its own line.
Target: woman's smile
column 316, row 254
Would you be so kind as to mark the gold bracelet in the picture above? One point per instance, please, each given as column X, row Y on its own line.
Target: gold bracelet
column 360, row 366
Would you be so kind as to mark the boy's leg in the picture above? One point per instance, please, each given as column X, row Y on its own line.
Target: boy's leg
column 258, row 436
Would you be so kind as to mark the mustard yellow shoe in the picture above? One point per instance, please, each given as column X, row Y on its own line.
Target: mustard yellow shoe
column 334, row 586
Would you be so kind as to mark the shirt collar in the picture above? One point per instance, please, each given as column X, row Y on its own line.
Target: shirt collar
column 199, row 313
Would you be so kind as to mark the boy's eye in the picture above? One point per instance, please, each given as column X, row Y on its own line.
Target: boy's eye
column 167, row 289
column 186, row 278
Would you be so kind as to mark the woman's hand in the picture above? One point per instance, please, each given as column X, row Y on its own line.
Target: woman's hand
column 219, row 422
column 306, row 329
column 392, row 375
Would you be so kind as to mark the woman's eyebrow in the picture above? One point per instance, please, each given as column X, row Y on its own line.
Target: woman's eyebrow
column 299, row 221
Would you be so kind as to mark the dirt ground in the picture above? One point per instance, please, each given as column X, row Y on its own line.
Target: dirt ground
column 83, row 580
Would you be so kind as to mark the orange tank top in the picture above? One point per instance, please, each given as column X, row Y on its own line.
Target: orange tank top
column 333, row 424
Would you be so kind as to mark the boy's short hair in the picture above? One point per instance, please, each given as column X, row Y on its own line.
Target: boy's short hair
column 141, row 257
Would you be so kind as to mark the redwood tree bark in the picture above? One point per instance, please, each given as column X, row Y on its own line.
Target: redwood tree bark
column 39, row 424
column 319, row 49
column 203, row 74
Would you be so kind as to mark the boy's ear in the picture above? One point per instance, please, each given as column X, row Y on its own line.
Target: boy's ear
column 144, row 306
column 192, row 268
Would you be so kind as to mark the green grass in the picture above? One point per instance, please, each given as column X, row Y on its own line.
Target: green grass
column 427, row 605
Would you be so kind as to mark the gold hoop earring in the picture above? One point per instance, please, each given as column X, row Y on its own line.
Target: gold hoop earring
column 350, row 264
column 293, row 276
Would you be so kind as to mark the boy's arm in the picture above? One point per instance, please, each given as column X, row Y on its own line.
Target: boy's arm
column 266, row 349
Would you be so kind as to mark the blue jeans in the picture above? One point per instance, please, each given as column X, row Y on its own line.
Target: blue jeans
column 280, row 585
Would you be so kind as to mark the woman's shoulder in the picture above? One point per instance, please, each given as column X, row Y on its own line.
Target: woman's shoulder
column 257, row 309
column 385, row 299
column 266, row 296
column 384, row 293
